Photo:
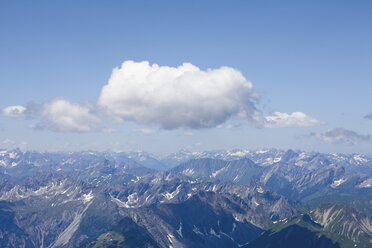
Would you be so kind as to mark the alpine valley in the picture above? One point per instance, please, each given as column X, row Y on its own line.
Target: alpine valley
column 230, row 198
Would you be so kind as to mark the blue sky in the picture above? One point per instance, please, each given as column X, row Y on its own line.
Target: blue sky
column 311, row 57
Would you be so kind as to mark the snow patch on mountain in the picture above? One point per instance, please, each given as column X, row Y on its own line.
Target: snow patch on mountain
column 366, row 183
column 119, row 203
column 170, row 196
column 214, row 174
column 88, row 197
column 188, row 172
column 338, row 182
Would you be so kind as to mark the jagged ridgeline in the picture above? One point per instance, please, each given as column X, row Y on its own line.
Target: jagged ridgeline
column 238, row 198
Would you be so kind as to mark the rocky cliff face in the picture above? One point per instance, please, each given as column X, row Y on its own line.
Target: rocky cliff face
column 344, row 221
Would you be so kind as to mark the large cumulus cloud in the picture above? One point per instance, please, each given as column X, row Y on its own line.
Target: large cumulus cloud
column 174, row 97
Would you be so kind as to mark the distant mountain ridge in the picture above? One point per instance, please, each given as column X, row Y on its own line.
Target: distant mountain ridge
column 12, row 158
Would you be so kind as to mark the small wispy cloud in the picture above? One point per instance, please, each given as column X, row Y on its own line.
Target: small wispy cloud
column 15, row 111
column 10, row 144
column 229, row 126
column 58, row 115
column 233, row 126
column 295, row 119
column 369, row 117
column 144, row 130
column 342, row 136
column 109, row 130
column 188, row 133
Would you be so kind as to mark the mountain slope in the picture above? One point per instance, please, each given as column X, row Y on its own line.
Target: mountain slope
column 325, row 226
column 293, row 236
column 344, row 221
column 126, row 234
column 207, row 219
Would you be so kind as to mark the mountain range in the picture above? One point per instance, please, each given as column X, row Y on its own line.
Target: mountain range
column 232, row 198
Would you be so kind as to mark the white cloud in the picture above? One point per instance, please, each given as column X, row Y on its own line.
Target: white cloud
column 229, row 126
column 16, row 111
column 110, row 130
column 233, row 126
column 60, row 115
column 342, row 136
column 296, row 119
column 188, row 133
column 144, row 130
column 174, row 97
